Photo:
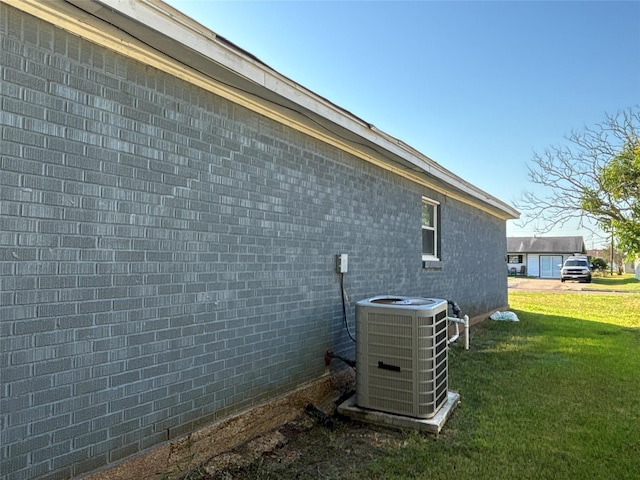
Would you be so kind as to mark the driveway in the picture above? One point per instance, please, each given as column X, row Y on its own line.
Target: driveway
column 544, row 284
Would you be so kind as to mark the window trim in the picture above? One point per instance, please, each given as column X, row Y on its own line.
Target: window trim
column 435, row 228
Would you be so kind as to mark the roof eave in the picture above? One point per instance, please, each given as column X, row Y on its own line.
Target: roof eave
column 167, row 39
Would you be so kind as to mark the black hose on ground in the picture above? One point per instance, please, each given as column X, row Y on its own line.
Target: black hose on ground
column 319, row 415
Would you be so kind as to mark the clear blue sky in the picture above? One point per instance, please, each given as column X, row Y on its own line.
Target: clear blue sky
column 476, row 86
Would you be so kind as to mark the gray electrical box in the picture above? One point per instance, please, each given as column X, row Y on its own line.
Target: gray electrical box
column 342, row 263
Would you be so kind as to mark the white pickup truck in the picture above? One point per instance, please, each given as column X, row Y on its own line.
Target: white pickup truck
column 576, row 268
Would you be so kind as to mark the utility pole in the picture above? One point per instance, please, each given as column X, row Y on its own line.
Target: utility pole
column 611, row 254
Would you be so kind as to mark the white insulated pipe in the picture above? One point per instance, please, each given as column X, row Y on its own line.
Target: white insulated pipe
column 465, row 321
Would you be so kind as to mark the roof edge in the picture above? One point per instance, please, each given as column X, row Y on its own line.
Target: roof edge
column 156, row 18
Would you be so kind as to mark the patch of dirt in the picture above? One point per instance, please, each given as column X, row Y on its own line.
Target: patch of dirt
column 309, row 447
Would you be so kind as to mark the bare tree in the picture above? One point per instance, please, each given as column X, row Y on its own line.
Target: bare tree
column 577, row 179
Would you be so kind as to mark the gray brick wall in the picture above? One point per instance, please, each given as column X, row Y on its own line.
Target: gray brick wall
column 167, row 257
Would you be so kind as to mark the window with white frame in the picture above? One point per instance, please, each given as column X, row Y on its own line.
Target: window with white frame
column 515, row 259
column 430, row 229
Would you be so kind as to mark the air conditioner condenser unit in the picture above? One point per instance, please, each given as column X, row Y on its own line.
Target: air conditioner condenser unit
column 401, row 355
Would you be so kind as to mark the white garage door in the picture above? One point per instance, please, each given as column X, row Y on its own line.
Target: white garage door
column 550, row 266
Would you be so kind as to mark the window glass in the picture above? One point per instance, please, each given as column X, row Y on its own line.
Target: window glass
column 428, row 242
column 427, row 214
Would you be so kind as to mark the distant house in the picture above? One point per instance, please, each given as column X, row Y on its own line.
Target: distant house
column 541, row 256
column 171, row 212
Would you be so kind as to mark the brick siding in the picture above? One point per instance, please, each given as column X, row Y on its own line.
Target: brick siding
column 168, row 257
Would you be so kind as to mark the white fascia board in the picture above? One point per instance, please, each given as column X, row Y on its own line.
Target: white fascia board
column 163, row 19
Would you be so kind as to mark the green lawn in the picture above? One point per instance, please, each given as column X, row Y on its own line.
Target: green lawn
column 554, row 396
column 626, row 282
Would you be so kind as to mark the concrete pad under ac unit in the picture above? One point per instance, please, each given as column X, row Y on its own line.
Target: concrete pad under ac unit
column 348, row 408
